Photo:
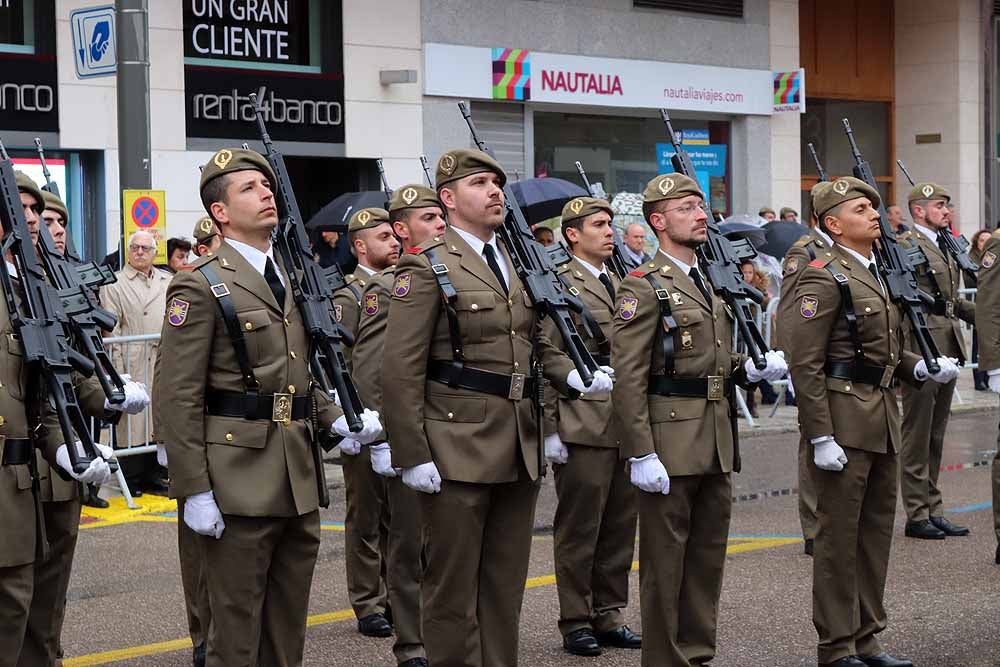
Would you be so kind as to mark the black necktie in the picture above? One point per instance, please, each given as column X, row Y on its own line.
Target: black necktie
column 271, row 276
column 700, row 284
column 874, row 272
column 491, row 260
column 606, row 281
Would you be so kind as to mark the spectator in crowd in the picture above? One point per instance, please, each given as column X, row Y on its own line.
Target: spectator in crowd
column 544, row 235
column 767, row 213
column 138, row 299
column 635, row 246
column 789, row 214
column 755, row 277
column 894, row 215
column 178, row 249
column 979, row 240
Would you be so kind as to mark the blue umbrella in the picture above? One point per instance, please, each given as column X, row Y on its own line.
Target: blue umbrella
column 544, row 198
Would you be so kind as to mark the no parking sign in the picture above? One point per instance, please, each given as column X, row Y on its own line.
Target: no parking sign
column 146, row 210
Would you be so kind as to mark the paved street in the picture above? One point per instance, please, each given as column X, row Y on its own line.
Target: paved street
column 943, row 598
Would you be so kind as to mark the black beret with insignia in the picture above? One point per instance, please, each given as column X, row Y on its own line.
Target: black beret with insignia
column 229, row 160
column 463, row 162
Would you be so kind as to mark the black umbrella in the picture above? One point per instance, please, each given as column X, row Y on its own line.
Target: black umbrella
column 781, row 235
column 735, row 228
column 334, row 216
column 544, row 198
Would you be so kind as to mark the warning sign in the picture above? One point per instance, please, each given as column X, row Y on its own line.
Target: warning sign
column 146, row 210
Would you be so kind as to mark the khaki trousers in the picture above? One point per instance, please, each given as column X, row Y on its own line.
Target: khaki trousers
column 259, row 574
column 855, row 509
column 925, row 419
column 48, row 601
column 16, row 585
column 682, row 554
column 404, row 569
column 593, row 538
column 996, row 491
column 190, row 550
column 478, row 547
column 366, row 531
column 807, row 489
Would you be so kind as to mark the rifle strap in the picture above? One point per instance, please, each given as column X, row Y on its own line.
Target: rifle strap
column 843, row 282
column 590, row 324
column 356, row 292
column 448, row 298
column 666, row 333
column 232, row 321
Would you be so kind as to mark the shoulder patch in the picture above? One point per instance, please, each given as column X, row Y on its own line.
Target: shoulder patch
column 792, row 265
column 809, row 307
column 371, row 304
column 628, row 307
column 177, row 312
column 989, row 259
column 338, row 312
column 401, row 287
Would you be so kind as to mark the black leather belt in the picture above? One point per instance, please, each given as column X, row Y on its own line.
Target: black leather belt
column 281, row 408
column 712, row 388
column 515, row 386
column 876, row 376
column 16, row 451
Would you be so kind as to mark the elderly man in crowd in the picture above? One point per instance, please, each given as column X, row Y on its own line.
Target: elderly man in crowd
column 138, row 299
column 635, row 246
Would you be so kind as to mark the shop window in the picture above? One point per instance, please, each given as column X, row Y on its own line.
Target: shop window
column 732, row 8
column 17, row 26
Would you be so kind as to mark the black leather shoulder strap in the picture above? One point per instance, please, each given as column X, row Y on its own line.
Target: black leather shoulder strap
column 448, row 297
column 666, row 332
column 221, row 293
column 847, row 301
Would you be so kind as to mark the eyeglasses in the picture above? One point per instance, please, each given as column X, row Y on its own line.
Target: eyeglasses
column 141, row 248
column 687, row 209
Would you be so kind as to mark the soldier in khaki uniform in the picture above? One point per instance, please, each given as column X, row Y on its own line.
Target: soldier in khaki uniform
column 676, row 373
column 242, row 460
column 416, row 217
column 847, row 410
column 926, row 409
column 815, row 245
column 595, row 520
column 207, row 236
column 988, row 326
column 463, row 334
column 366, row 522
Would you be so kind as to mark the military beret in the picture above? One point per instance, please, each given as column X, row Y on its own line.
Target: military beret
column 55, row 204
column 581, row 207
column 841, row 190
column 229, row 160
column 671, row 186
column 367, row 218
column 463, row 162
column 413, row 196
column 788, row 209
column 928, row 191
column 204, row 229
column 765, row 209
column 25, row 184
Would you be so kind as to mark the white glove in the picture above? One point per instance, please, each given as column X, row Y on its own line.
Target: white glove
column 948, row 372
column 555, row 450
column 424, row 478
column 350, row 446
column 994, row 382
column 828, row 455
column 136, row 399
column 202, row 515
column 382, row 459
column 161, row 454
column 98, row 472
column 370, row 429
column 649, row 474
column 775, row 370
column 602, row 382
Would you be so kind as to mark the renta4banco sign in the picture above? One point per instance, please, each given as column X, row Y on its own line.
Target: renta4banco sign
column 521, row 75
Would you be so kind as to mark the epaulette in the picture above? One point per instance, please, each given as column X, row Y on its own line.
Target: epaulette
column 907, row 235
column 640, row 272
column 820, row 262
column 426, row 245
column 204, row 259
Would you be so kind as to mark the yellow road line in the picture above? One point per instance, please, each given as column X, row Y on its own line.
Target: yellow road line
column 737, row 545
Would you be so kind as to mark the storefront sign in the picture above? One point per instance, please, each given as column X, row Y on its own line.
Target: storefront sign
column 28, row 93
column 517, row 74
column 790, row 92
column 709, row 160
column 258, row 31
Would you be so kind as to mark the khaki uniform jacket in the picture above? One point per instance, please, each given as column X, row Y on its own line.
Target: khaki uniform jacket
column 587, row 420
column 347, row 308
column 858, row 415
column 139, row 304
column 941, row 276
column 369, row 340
column 255, row 467
column 691, row 436
column 471, row 436
column 988, row 305
column 803, row 251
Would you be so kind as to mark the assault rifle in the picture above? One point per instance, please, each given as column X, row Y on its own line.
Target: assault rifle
column 898, row 267
column 86, row 317
column 956, row 246
column 41, row 325
column 312, row 287
column 819, row 167
column 536, row 270
column 617, row 260
column 720, row 259
column 385, row 183
column 427, row 171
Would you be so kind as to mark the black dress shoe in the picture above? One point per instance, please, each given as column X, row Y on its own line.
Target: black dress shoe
column 415, row 662
column 948, row 528
column 808, row 548
column 997, row 559
column 581, row 642
column 199, row 655
column 883, row 659
column 846, row 661
column 923, row 530
column 622, row 637
column 375, row 625
column 94, row 500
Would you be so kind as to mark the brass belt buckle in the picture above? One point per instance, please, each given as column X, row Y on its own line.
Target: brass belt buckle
column 949, row 309
column 281, row 409
column 716, row 388
column 516, row 392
